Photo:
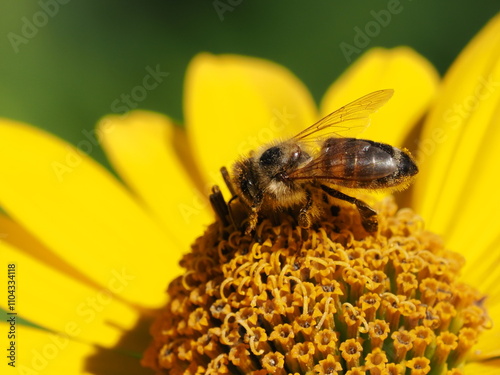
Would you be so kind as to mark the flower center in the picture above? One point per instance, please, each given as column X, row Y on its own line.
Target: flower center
column 324, row 300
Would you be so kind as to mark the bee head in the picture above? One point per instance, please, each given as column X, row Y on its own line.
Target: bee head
column 253, row 176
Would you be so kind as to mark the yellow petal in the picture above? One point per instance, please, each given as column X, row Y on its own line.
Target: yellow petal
column 76, row 208
column 12, row 233
column 40, row 352
column 456, row 191
column 488, row 344
column 142, row 147
column 491, row 367
column 412, row 77
column 15, row 235
column 234, row 104
column 57, row 302
column 482, row 269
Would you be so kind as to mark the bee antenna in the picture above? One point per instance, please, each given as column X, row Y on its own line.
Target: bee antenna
column 219, row 205
column 227, row 180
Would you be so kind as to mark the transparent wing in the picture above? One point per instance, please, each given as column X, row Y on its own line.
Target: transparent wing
column 350, row 119
column 332, row 165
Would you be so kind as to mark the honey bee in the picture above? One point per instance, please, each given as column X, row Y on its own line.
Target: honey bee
column 286, row 173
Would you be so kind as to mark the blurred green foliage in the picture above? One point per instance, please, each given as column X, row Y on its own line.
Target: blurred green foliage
column 65, row 73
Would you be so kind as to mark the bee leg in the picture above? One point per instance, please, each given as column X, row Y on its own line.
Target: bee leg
column 369, row 218
column 230, row 211
column 234, row 196
column 252, row 221
column 305, row 220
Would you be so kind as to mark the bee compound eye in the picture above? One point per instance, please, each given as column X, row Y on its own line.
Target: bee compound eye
column 271, row 156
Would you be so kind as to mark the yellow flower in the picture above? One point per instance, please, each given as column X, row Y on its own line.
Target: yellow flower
column 93, row 255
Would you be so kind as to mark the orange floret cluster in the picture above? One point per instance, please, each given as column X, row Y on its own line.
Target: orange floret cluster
column 326, row 300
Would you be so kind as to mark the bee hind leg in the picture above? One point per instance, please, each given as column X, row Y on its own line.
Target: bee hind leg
column 369, row 218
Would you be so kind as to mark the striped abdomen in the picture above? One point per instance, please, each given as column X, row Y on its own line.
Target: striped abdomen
column 360, row 163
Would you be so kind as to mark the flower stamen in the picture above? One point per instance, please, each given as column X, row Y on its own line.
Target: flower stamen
column 331, row 300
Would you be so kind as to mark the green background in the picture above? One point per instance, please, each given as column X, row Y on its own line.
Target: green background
column 88, row 53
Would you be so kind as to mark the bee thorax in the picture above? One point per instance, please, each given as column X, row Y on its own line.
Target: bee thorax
column 285, row 194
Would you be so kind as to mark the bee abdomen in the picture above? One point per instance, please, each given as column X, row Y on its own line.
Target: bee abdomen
column 360, row 163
